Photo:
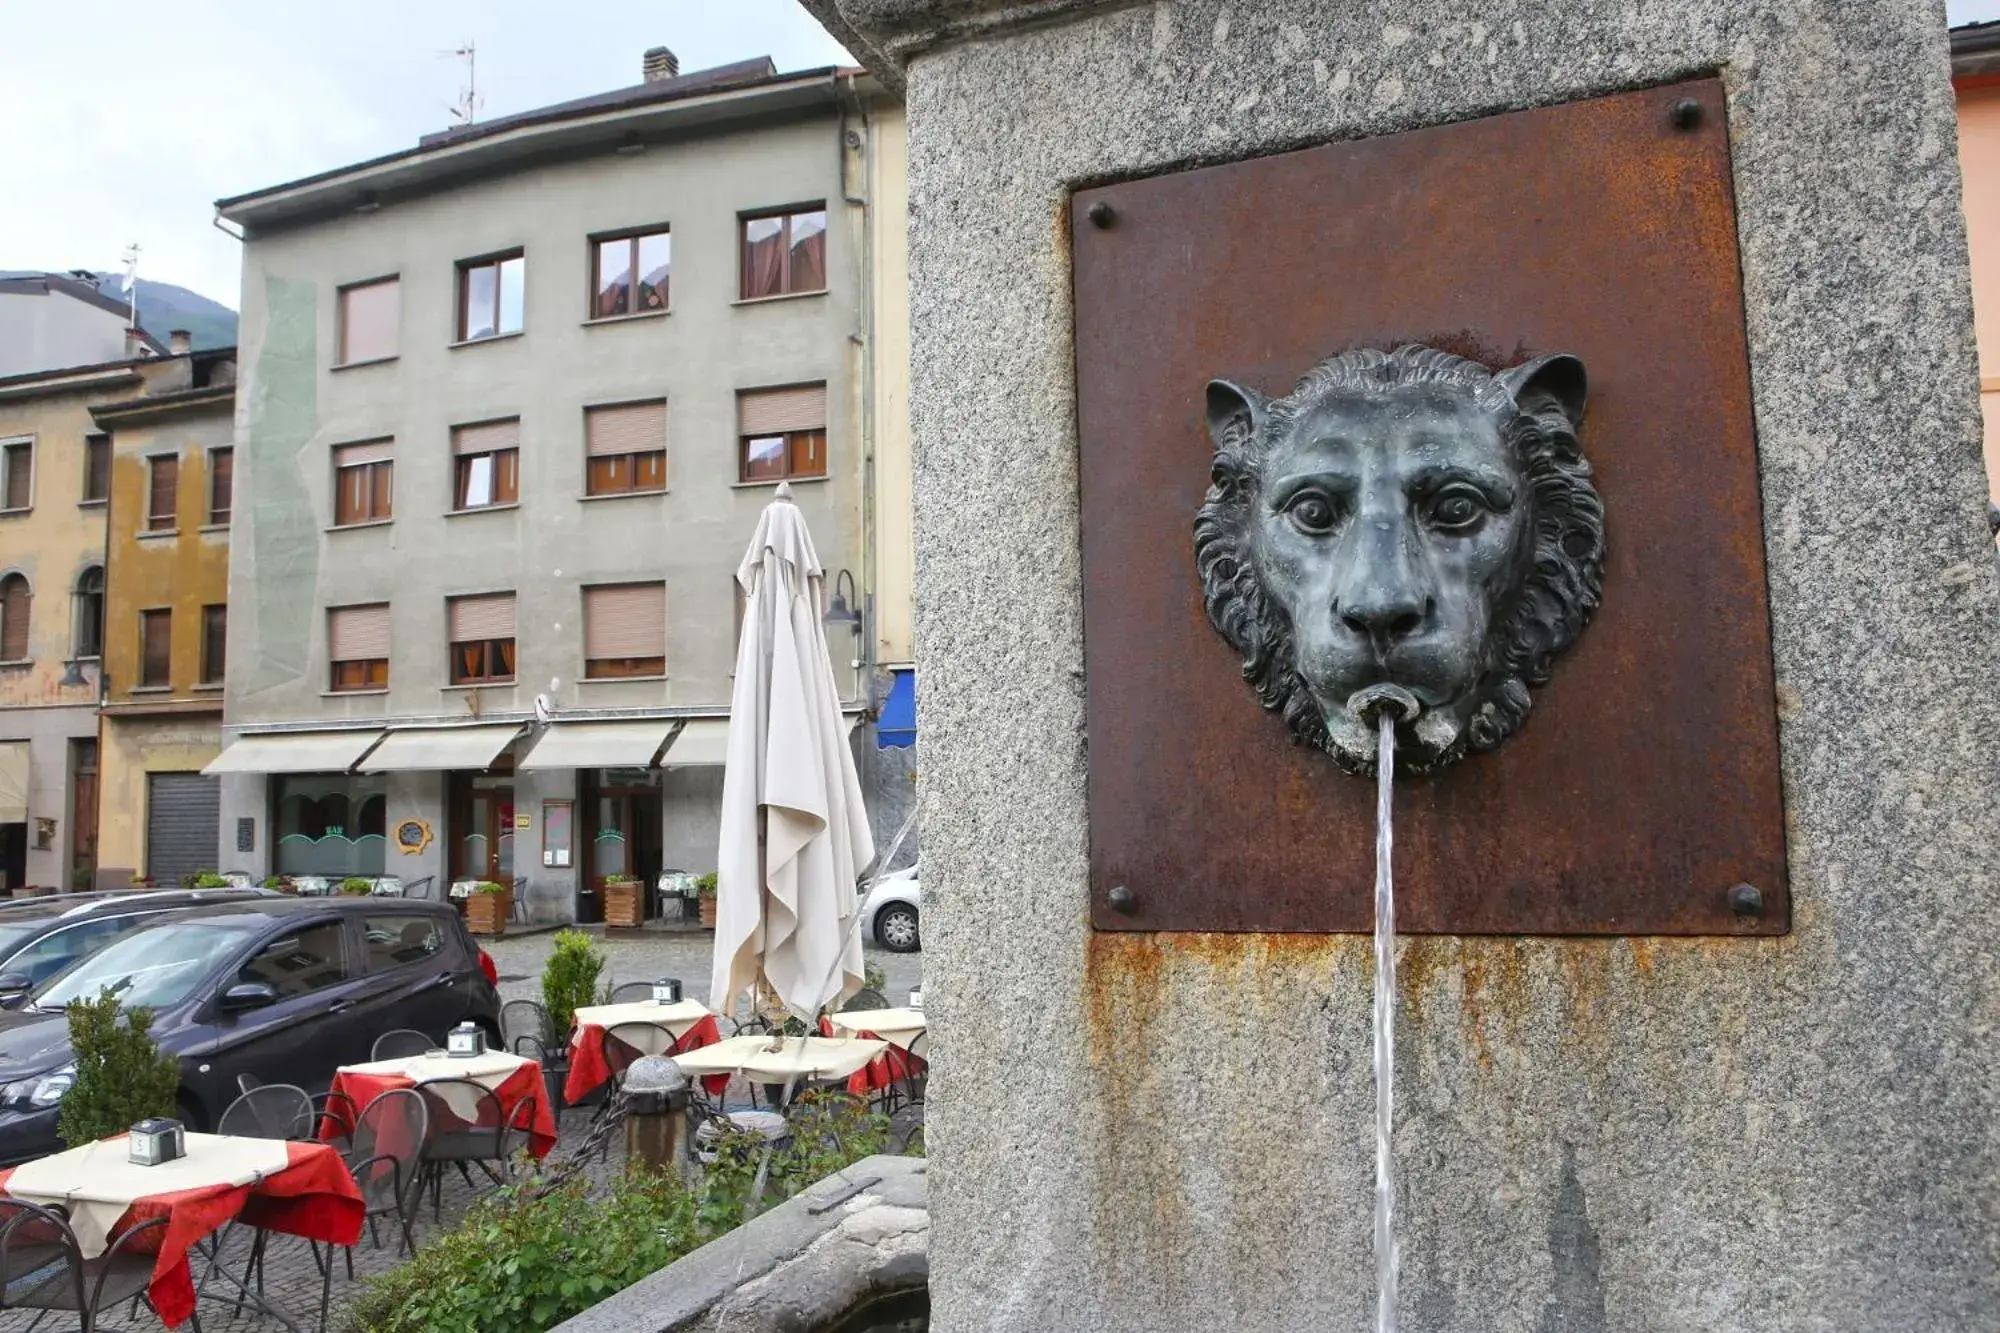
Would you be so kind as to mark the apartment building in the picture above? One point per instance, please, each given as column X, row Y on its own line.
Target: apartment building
column 166, row 618
column 512, row 401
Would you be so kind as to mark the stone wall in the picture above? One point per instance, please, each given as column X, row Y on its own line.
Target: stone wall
column 1167, row 1133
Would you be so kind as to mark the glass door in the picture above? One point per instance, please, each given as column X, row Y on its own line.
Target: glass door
column 482, row 827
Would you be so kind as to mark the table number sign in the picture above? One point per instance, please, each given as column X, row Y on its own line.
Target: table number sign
column 466, row 1041
column 667, row 990
column 156, row 1141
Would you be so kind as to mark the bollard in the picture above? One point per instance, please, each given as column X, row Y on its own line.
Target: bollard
column 656, row 1122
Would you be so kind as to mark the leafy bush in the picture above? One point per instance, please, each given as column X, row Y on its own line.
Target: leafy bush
column 121, row 1075
column 489, row 888
column 357, row 886
column 874, row 978
column 705, row 885
column 621, row 879
column 208, row 879
column 274, row 881
column 569, row 980
column 528, row 1259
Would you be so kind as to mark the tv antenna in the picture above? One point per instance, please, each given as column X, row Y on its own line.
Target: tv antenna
column 466, row 109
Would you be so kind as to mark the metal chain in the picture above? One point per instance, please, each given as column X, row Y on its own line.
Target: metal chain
column 610, row 1122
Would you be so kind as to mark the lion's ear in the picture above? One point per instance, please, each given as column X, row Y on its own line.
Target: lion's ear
column 1234, row 413
column 1557, row 378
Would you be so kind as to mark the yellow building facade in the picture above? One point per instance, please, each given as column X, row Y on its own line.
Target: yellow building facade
column 166, row 620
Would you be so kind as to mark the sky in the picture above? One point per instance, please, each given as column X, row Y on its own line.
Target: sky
column 127, row 121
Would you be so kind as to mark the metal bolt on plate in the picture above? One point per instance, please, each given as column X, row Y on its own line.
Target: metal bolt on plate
column 1746, row 900
column 1686, row 114
column 1100, row 215
column 1122, row 901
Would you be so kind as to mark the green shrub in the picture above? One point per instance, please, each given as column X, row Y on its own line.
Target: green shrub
column 121, row 1076
column 569, row 979
column 208, row 879
column 705, row 885
column 526, row 1260
column 357, row 886
column 489, row 887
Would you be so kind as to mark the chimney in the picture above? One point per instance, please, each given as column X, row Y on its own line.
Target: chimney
column 661, row 64
column 180, row 342
column 135, row 344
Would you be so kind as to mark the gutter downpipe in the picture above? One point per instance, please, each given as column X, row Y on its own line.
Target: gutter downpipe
column 865, row 340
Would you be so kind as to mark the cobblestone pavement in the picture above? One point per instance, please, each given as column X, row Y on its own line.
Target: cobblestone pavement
column 292, row 1280
column 685, row 954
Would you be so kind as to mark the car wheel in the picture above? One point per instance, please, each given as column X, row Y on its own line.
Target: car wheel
column 896, row 927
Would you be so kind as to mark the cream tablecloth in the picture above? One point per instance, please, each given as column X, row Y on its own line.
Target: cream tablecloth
column 795, row 1057
column 898, row 1026
column 98, row 1183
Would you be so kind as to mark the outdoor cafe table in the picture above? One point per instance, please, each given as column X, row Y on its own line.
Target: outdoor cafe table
column 898, row 1027
column 302, row 1189
column 514, row 1080
column 762, row 1058
column 675, row 1028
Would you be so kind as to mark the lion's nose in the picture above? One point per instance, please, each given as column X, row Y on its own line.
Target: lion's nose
column 1386, row 613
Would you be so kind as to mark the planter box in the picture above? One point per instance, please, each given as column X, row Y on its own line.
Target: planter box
column 486, row 913
column 624, row 905
column 708, row 912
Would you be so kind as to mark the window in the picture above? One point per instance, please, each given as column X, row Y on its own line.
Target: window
column 163, row 492
column 58, row 949
column 15, row 600
column 482, row 638
column 396, row 941
column 628, row 274
column 625, row 448
column 89, row 618
column 156, row 648
column 784, row 253
column 17, row 482
column 214, row 643
column 625, row 630
column 489, row 464
column 358, row 645
column 301, row 962
column 221, row 485
column 96, row 468
column 782, row 433
column 491, row 296
column 330, row 824
column 369, row 315
column 362, row 482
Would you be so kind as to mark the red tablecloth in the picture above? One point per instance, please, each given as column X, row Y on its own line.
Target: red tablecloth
column 314, row 1197
column 525, row 1086
column 589, row 1071
column 890, row 1067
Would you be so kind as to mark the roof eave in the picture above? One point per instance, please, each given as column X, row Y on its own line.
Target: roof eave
column 425, row 169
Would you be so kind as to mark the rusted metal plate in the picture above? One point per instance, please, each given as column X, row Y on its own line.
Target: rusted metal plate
column 1645, row 783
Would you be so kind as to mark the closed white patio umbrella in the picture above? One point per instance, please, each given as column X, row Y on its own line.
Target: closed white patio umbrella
column 794, row 831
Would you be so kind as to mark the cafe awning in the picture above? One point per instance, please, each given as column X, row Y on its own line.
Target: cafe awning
column 295, row 752
column 441, row 749
column 13, row 782
column 704, row 742
column 630, row 744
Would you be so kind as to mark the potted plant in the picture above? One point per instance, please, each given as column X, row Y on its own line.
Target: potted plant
column 280, row 884
column 486, row 911
column 355, row 886
column 704, row 890
column 208, row 879
column 624, row 903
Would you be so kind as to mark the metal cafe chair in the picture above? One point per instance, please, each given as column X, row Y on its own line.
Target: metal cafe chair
column 400, row 1044
column 41, row 1267
column 489, row 1136
column 424, row 889
column 525, row 1020
column 387, row 1162
column 632, row 992
column 270, row 1111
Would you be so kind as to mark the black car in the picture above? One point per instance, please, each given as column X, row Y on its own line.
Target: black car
column 42, row 936
column 285, row 989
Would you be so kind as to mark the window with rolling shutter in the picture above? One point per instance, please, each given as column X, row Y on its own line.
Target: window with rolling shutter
column 214, row 643
column 626, row 448
column 369, row 315
column 482, row 638
column 363, row 482
column 17, row 479
column 625, row 630
column 357, row 639
column 781, row 433
column 96, row 468
column 221, row 485
column 489, row 463
column 156, row 649
column 15, row 600
column 162, row 492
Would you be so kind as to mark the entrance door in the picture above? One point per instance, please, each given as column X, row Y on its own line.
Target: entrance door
column 83, row 815
column 625, row 836
column 482, row 827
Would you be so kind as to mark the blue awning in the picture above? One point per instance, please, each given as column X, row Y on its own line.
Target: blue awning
column 897, row 726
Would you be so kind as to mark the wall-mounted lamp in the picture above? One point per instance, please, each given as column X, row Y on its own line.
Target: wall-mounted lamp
column 74, row 676
column 844, row 612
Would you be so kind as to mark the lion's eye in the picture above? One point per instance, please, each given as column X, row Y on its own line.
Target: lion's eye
column 1312, row 513
column 1457, row 509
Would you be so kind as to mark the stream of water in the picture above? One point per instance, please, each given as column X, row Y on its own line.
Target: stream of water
column 1385, row 1025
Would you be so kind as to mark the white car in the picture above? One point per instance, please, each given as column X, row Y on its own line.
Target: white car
column 890, row 911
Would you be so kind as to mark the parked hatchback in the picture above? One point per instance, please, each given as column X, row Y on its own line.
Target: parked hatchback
column 284, row 989
column 891, row 909
column 42, row 936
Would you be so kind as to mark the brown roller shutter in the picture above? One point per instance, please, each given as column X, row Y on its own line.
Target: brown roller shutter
column 775, row 411
column 357, row 633
column 628, row 428
column 374, row 451
column 485, row 437
column 368, row 318
column 625, row 620
column 487, row 617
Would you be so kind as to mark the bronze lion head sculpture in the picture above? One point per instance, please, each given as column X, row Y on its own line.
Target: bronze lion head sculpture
column 1405, row 518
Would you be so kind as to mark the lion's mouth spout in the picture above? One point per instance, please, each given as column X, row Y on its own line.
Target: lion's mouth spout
column 1371, row 703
